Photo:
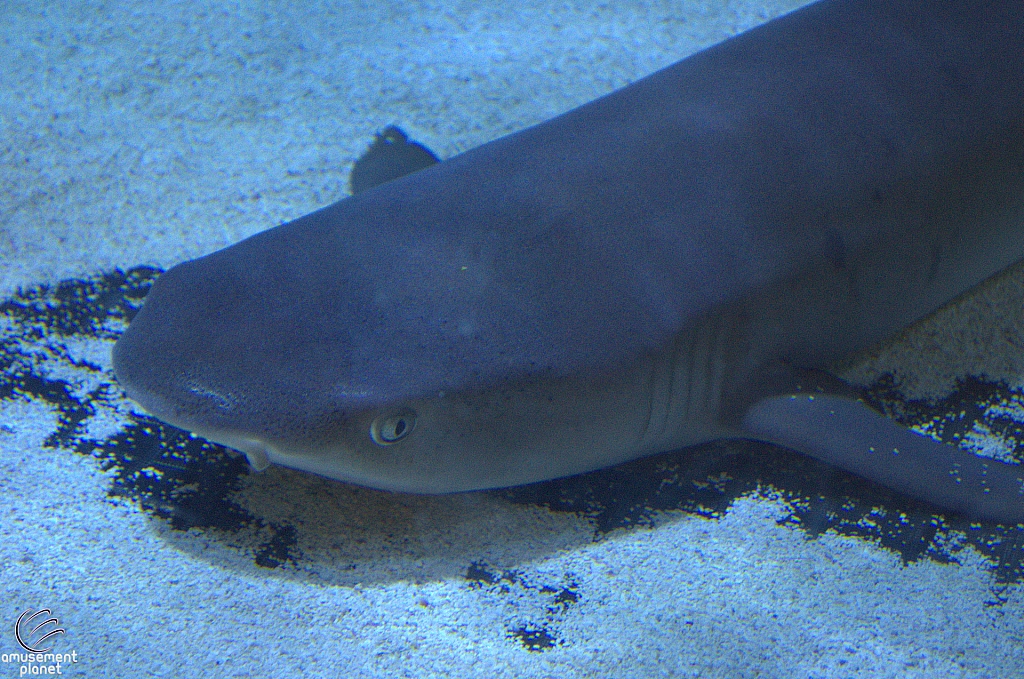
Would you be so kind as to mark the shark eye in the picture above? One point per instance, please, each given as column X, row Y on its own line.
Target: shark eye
column 393, row 427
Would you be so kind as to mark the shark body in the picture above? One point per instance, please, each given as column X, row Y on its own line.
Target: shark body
column 676, row 262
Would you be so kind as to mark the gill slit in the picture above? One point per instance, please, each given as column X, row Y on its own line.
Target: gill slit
column 686, row 383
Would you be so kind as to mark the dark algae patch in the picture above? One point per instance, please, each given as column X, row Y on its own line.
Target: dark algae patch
column 551, row 602
column 43, row 319
column 534, row 638
column 705, row 480
column 167, row 472
column 188, row 481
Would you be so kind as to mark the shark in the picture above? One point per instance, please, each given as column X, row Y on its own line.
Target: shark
column 677, row 262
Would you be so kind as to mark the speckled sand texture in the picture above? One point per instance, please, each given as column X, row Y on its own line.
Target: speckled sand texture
column 153, row 132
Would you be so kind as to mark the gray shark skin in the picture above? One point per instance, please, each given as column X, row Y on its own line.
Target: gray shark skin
column 672, row 263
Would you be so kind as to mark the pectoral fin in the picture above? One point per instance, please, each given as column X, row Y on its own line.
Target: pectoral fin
column 850, row 435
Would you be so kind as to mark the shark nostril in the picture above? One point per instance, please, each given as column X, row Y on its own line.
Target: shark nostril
column 220, row 400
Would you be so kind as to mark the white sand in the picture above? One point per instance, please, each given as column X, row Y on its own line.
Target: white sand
column 154, row 133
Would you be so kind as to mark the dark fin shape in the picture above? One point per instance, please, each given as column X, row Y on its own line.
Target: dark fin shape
column 390, row 156
column 850, row 435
